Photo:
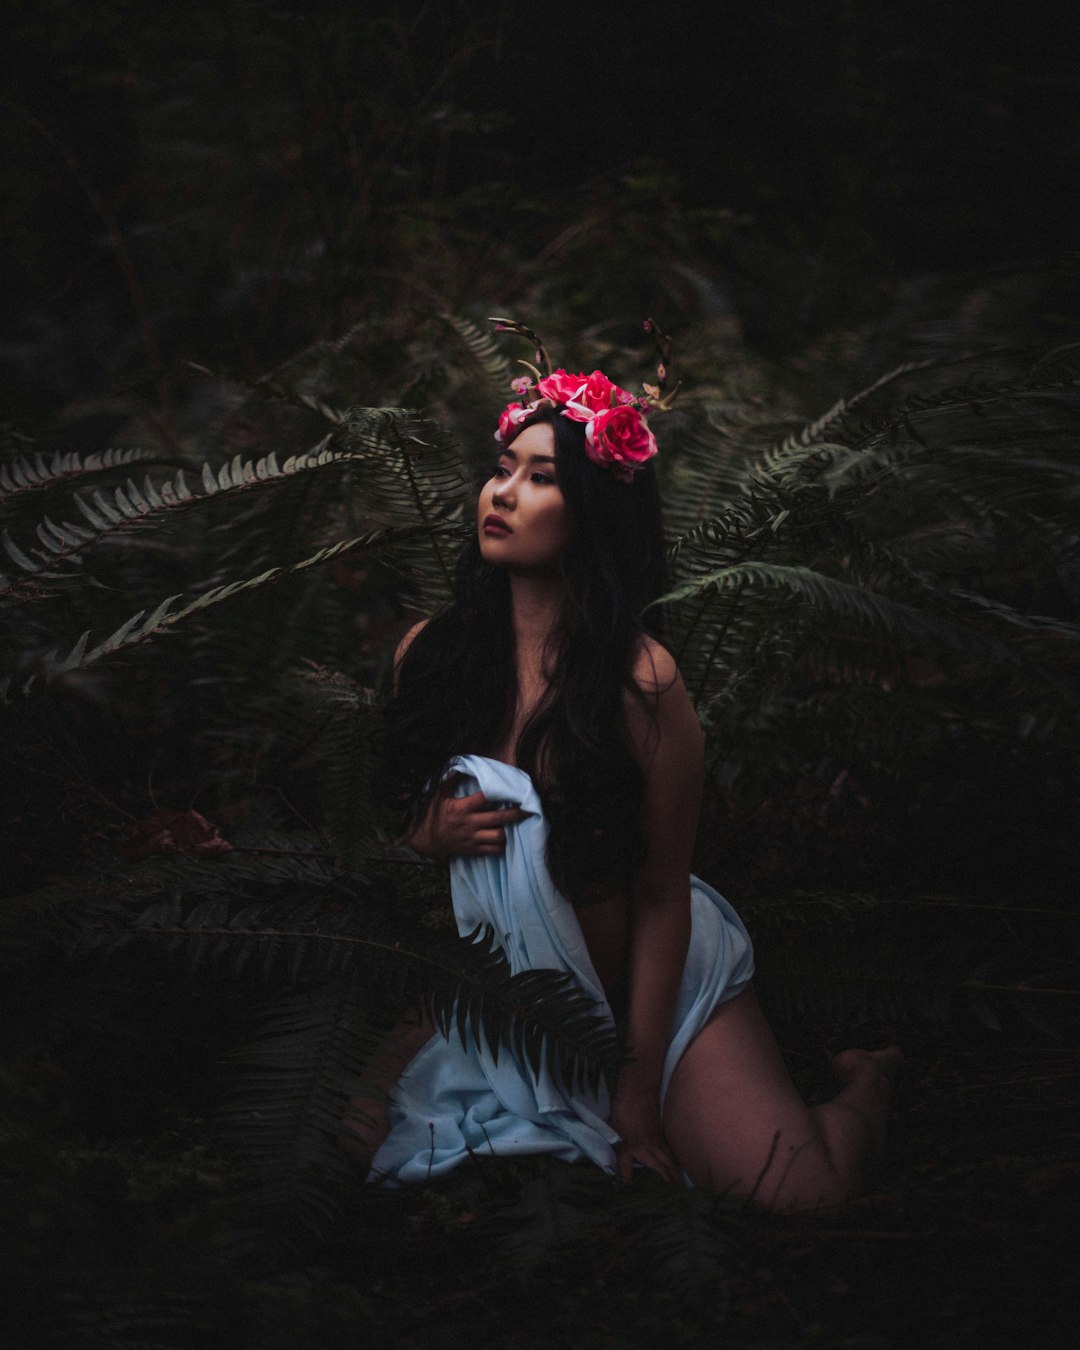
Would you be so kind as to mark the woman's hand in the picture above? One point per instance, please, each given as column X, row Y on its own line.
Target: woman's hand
column 635, row 1114
column 454, row 826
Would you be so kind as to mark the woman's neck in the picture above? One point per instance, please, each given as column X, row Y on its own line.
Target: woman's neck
column 535, row 601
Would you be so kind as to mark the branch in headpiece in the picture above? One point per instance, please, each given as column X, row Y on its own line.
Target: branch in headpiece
column 512, row 326
column 663, row 344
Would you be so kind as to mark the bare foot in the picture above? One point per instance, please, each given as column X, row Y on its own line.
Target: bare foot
column 883, row 1065
column 866, row 1079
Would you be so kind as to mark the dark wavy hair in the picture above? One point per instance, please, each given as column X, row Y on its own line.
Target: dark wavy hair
column 457, row 685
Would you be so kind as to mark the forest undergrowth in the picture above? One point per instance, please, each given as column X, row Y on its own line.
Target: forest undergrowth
column 208, row 926
column 269, row 389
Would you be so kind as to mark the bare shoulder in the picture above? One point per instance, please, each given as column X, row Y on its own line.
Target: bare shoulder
column 655, row 671
column 664, row 721
column 668, row 743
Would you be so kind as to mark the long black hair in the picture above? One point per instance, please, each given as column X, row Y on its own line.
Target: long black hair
column 457, row 685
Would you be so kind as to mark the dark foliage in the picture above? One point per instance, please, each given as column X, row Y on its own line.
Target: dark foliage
column 206, row 931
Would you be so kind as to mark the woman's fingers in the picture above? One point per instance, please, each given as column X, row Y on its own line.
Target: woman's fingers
column 477, row 804
column 490, row 838
column 656, row 1159
column 504, row 815
column 474, row 825
column 484, row 816
column 667, row 1168
column 491, row 825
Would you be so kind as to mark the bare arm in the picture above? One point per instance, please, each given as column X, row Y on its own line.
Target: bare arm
column 671, row 754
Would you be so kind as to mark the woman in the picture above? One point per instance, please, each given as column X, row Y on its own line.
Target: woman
column 548, row 748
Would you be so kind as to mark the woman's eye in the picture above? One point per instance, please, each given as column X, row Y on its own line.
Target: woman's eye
column 501, row 471
column 542, row 478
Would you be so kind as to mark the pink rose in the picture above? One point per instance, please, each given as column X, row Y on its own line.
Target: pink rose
column 510, row 418
column 619, row 439
column 562, row 387
column 598, row 395
column 601, row 394
column 583, row 396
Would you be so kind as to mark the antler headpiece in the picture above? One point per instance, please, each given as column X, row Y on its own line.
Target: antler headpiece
column 617, row 435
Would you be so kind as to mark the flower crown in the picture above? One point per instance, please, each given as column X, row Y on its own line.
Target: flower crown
column 617, row 436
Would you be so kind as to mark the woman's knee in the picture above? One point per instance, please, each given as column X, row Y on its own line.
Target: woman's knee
column 737, row 1123
column 789, row 1174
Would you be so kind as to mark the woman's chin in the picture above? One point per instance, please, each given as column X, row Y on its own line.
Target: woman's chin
column 490, row 551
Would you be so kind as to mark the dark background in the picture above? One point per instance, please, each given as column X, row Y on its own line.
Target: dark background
column 803, row 194
column 223, row 182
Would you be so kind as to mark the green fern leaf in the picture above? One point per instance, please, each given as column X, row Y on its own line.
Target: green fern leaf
column 22, row 475
column 130, row 506
column 300, row 1057
column 163, row 618
column 17, row 556
column 484, row 350
column 462, row 984
column 898, row 621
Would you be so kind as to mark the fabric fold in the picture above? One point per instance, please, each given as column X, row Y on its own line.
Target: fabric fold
column 456, row 1101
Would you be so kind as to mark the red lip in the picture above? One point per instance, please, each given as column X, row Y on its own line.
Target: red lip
column 496, row 525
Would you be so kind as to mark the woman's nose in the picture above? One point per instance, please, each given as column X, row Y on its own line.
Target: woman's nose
column 503, row 494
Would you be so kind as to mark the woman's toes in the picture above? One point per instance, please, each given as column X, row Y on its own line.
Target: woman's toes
column 851, row 1064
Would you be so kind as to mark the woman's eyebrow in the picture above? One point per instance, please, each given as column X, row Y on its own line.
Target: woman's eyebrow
column 533, row 459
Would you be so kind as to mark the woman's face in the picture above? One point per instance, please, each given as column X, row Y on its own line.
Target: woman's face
column 521, row 516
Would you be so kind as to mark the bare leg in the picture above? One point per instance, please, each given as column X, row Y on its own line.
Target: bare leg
column 853, row 1123
column 366, row 1121
column 737, row 1125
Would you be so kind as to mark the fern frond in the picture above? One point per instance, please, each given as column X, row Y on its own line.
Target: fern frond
column 824, row 596
column 259, row 864
column 142, row 626
column 25, row 473
column 413, row 471
column 929, row 459
column 812, row 431
column 462, row 984
column 336, row 719
column 554, row 1211
column 1008, row 404
column 484, row 350
column 1025, row 428
column 130, row 505
column 685, row 1238
column 884, row 538
column 299, row 1059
